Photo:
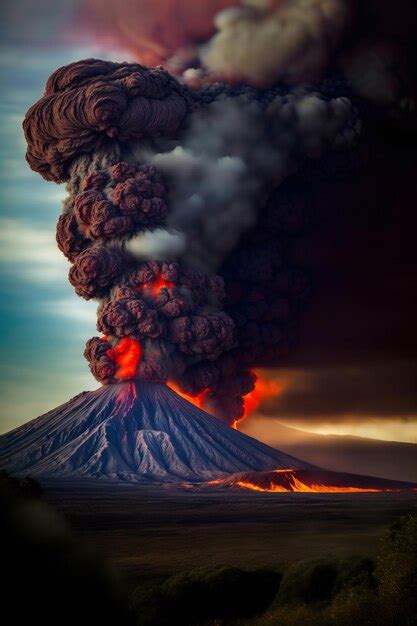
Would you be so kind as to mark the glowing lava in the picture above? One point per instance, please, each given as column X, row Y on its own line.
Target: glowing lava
column 127, row 355
column 303, row 481
column 263, row 389
column 294, row 484
column 197, row 400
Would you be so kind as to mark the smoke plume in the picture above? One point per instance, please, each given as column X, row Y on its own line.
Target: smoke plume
column 290, row 41
column 164, row 184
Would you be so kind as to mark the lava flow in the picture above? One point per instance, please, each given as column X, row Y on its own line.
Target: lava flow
column 197, row 400
column 294, row 484
column 308, row 481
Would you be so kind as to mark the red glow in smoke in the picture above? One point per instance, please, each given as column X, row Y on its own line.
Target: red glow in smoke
column 263, row 389
column 127, row 355
column 197, row 400
column 155, row 286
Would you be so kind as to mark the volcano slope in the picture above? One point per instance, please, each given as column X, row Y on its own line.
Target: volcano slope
column 146, row 432
column 134, row 432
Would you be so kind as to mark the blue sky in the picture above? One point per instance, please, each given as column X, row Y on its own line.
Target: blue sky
column 44, row 325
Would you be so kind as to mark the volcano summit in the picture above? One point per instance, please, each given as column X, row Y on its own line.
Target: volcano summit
column 135, row 431
column 146, row 432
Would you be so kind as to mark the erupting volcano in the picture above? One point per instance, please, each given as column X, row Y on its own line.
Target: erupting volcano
column 180, row 220
column 145, row 432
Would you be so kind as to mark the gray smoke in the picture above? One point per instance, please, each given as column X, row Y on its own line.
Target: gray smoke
column 233, row 153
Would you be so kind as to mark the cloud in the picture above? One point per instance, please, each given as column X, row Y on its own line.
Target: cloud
column 30, row 252
column 73, row 309
column 345, row 393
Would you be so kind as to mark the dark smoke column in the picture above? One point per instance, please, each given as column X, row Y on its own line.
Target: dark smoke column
column 163, row 182
column 158, row 319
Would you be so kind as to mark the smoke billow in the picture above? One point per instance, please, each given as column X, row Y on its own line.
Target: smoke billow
column 163, row 184
column 91, row 103
column 290, row 41
column 161, row 31
column 235, row 150
column 260, row 42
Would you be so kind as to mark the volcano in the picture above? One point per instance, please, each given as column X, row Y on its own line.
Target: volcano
column 146, row 432
column 134, row 431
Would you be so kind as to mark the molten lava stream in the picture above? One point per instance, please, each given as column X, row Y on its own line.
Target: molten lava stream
column 293, row 484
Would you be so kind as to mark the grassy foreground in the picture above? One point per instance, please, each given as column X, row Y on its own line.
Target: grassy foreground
column 58, row 577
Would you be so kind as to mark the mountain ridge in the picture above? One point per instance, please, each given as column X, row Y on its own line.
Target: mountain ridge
column 394, row 460
column 131, row 431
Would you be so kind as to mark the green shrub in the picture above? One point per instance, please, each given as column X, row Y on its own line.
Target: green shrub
column 355, row 572
column 308, row 581
column 205, row 594
column 396, row 572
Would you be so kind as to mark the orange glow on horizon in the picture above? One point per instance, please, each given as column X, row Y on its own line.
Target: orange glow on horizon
column 127, row 355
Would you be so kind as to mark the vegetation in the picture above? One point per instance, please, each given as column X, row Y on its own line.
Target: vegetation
column 320, row 592
column 50, row 567
column 222, row 593
column 50, row 577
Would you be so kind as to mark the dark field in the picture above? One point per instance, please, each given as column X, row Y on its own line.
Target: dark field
column 150, row 533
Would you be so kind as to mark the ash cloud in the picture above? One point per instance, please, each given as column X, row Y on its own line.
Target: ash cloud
column 356, row 349
column 290, row 41
column 235, row 150
column 163, row 184
column 88, row 104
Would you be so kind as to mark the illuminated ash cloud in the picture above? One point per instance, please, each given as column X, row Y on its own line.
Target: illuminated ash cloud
column 89, row 104
column 163, row 31
column 95, row 270
column 102, row 366
column 180, row 217
column 117, row 201
column 158, row 301
column 260, row 42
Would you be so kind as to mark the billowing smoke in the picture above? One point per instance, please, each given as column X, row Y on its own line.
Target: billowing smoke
column 260, row 42
column 90, row 105
column 235, row 150
column 164, row 184
column 290, row 41
column 161, row 31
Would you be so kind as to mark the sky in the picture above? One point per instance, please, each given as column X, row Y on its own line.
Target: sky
column 44, row 325
column 354, row 369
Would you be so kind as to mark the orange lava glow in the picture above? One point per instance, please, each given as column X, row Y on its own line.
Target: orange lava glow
column 197, row 400
column 246, row 485
column 294, row 484
column 158, row 284
column 263, row 389
column 127, row 355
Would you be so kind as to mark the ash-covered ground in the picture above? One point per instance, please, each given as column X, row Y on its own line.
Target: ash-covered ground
column 150, row 532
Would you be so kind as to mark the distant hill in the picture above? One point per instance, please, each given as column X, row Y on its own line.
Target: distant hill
column 360, row 455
